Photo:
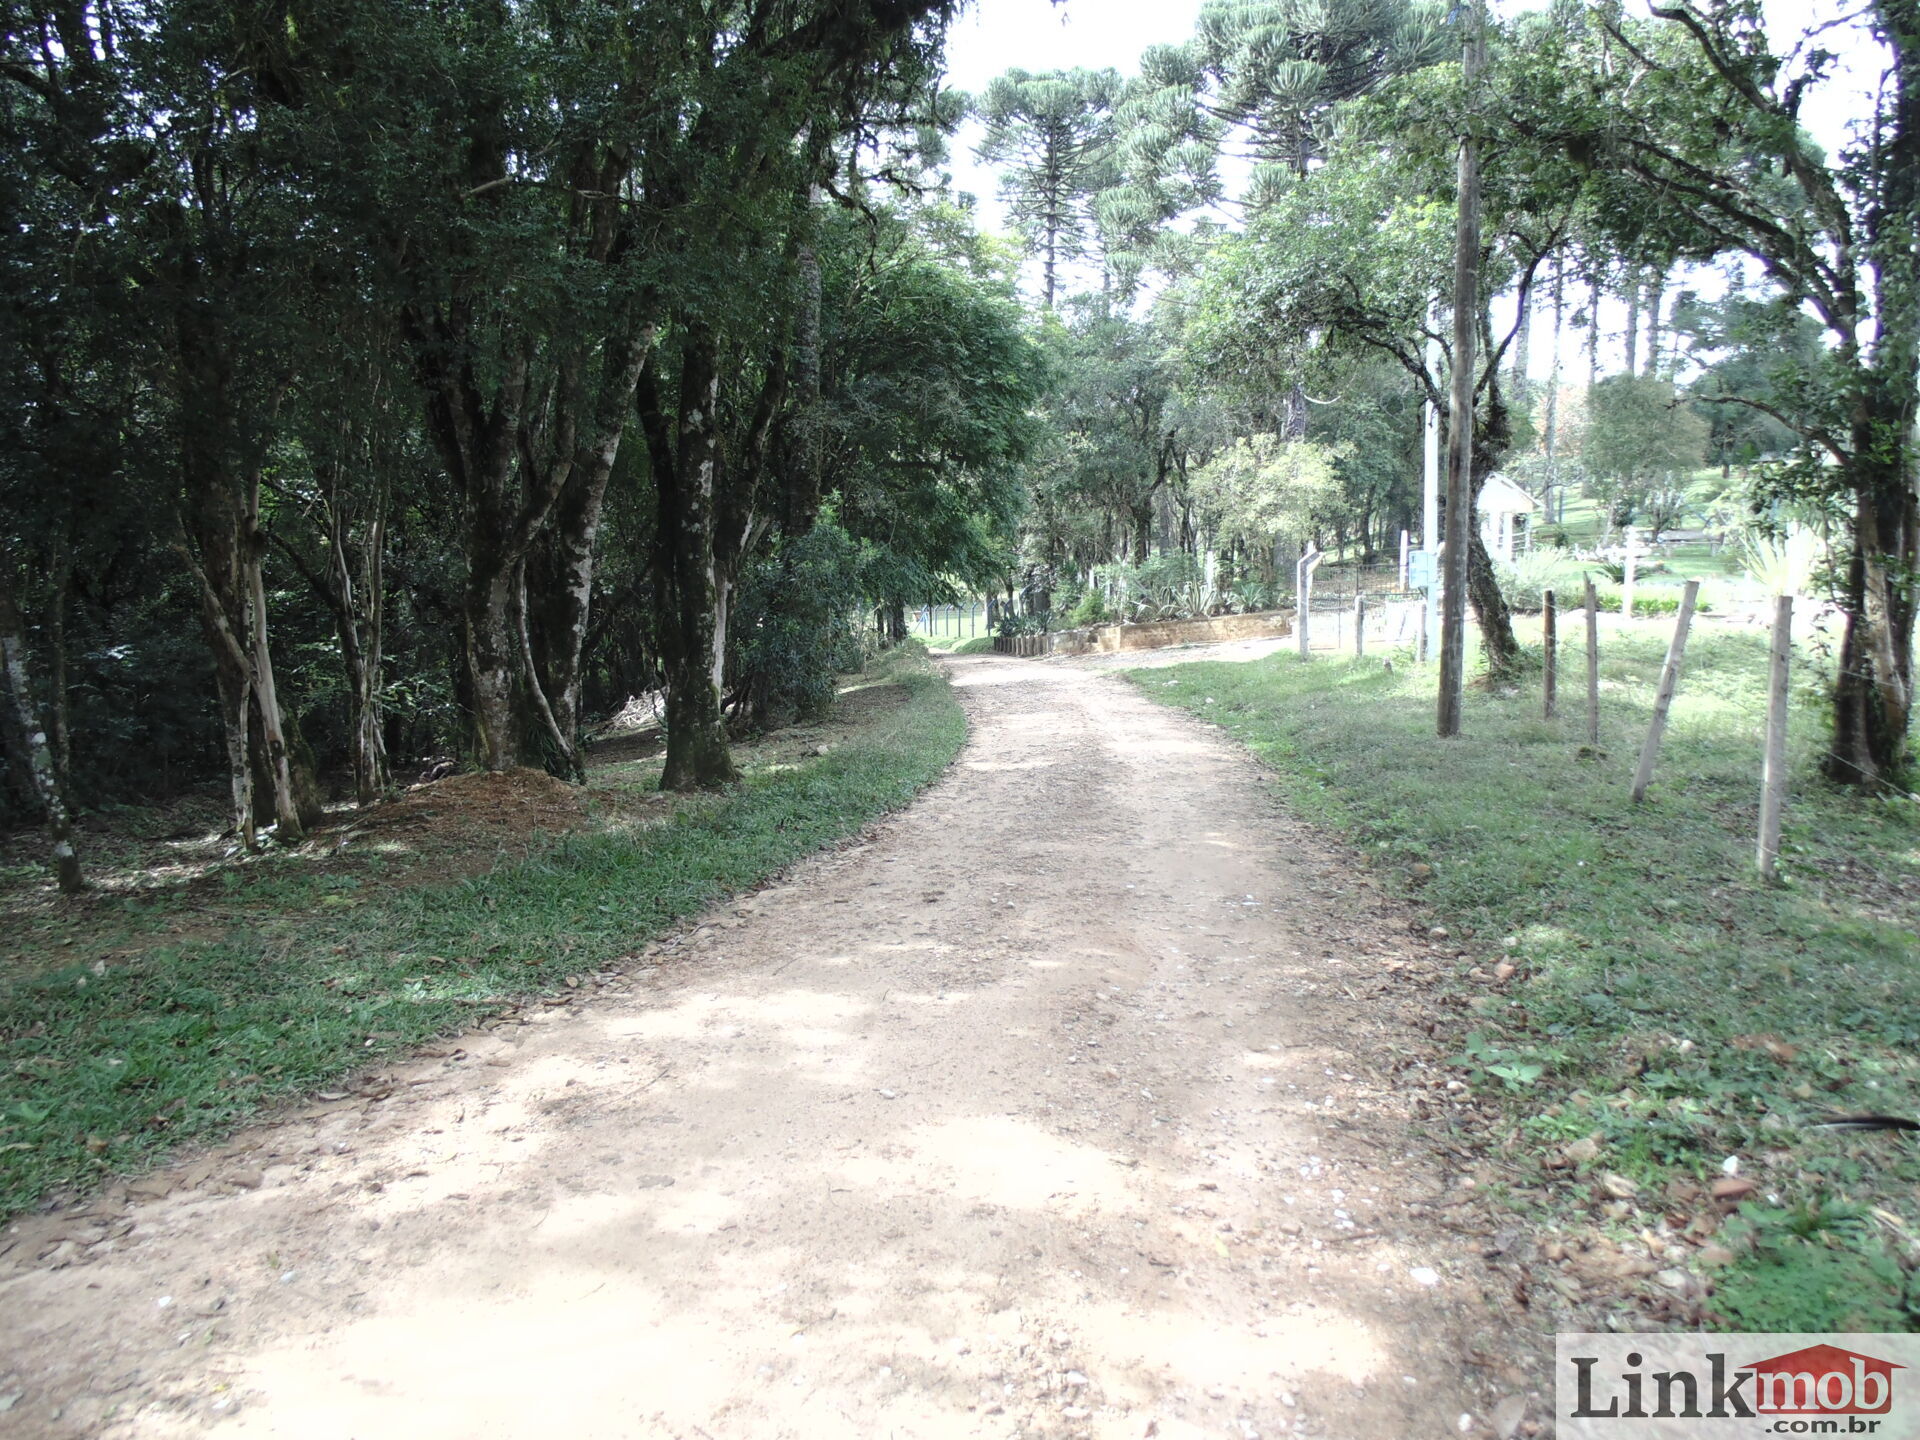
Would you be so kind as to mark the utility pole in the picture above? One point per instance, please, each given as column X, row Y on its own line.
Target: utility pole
column 1430, row 505
column 1466, row 313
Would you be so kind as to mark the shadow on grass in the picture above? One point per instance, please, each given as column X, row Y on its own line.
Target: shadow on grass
column 107, row 1066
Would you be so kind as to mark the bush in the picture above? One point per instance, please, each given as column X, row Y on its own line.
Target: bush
column 1091, row 610
column 1162, row 587
column 1522, row 581
column 1784, row 562
column 1645, row 602
column 795, row 625
column 1250, row 596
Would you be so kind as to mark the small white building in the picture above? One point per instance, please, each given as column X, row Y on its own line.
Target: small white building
column 1506, row 516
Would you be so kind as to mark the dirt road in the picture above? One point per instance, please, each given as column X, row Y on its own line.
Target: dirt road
column 1049, row 1109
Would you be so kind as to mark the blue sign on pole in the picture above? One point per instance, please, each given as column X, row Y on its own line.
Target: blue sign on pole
column 1420, row 569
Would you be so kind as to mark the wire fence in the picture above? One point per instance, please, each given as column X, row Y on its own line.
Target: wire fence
column 946, row 624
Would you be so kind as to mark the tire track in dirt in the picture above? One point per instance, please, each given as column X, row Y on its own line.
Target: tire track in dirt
column 1045, row 1110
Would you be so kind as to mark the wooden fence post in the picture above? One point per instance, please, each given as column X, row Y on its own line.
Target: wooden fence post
column 1663, row 698
column 1359, row 624
column 1773, row 770
column 1627, row 572
column 1593, row 667
column 1550, row 638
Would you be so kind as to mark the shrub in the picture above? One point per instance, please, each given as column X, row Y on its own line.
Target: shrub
column 794, row 625
column 1091, row 610
column 1783, row 562
column 1522, row 580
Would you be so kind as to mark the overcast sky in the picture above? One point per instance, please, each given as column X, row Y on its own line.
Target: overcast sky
column 992, row 36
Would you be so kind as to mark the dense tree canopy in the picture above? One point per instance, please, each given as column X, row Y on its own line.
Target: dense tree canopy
column 382, row 381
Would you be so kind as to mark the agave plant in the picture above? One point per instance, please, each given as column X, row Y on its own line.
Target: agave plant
column 1783, row 562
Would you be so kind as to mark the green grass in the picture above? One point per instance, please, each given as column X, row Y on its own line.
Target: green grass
column 102, row 1070
column 978, row 645
column 1654, row 967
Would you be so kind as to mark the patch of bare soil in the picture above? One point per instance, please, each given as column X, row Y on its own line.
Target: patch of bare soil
column 182, row 858
column 476, row 811
column 1079, row 1100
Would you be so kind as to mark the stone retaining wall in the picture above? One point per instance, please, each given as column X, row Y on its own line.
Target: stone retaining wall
column 1158, row 634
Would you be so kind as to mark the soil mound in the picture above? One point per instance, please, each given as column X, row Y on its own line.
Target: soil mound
column 482, row 806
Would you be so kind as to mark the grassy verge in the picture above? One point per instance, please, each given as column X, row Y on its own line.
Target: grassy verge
column 1667, row 1012
column 104, row 1067
column 978, row 645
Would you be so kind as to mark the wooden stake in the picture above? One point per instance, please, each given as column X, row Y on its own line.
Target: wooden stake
column 1773, row 770
column 1549, row 630
column 1627, row 574
column 1593, row 667
column 1663, row 700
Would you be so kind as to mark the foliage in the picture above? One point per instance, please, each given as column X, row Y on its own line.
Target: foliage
column 1686, row 128
column 930, row 383
column 1784, row 561
column 1089, row 609
column 1640, row 443
column 1268, row 489
column 796, row 624
column 1827, row 1278
column 1524, row 578
column 1163, row 587
column 1054, row 133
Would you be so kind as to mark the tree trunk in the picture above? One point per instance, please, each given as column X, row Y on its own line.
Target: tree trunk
column 563, row 562
column 693, row 630
column 1633, row 324
column 1593, row 330
column 1656, row 296
column 1551, row 420
column 1522, row 345
column 488, row 606
column 363, row 644
column 477, row 430
column 1490, row 609
column 290, row 823
column 57, row 706
column 37, row 759
column 1461, row 485
column 1873, row 693
column 212, row 555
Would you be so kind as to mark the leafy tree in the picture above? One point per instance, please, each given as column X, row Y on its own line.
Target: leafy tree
column 1688, row 126
column 1267, row 489
column 1054, row 133
column 1639, row 446
column 1259, row 79
column 1350, row 259
column 1764, row 351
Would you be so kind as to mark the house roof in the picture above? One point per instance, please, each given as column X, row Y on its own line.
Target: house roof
column 1500, row 496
